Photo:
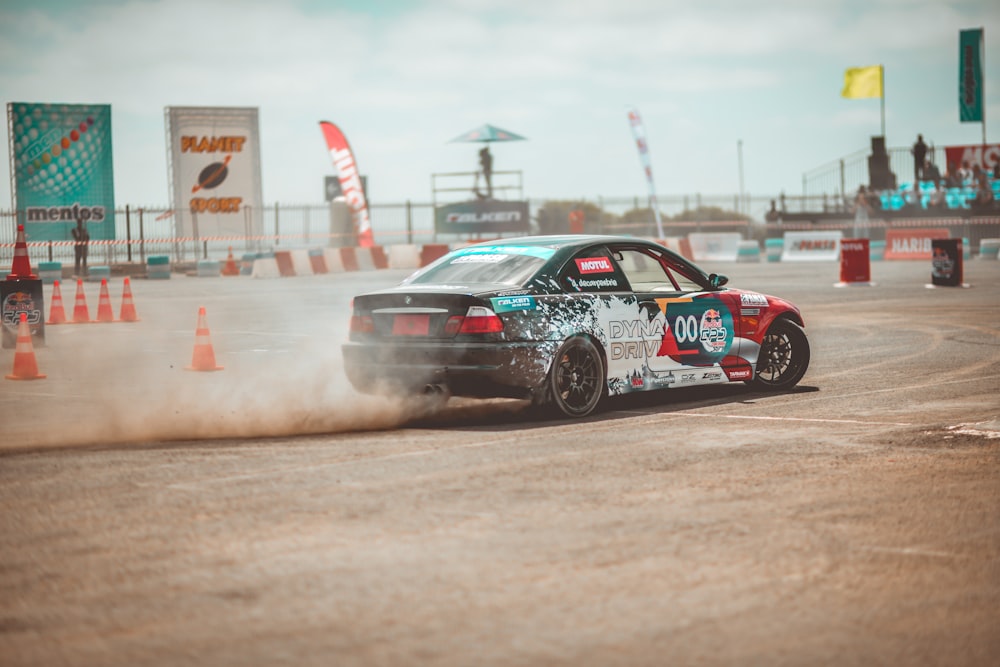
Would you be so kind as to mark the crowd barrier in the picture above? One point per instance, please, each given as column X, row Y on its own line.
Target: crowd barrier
column 906, row 243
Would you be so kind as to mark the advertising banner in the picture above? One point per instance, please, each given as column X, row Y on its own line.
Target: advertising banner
column 351, row 183
column 214, row 157
column 912, row 243
column 946, row 262
column 986, row 156
column 715, row 246
column 970, row 76
column 62, row 169
column 22, row 296
column 488, row 216
column 811, row 246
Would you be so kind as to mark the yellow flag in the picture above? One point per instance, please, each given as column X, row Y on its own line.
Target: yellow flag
column 862, row 82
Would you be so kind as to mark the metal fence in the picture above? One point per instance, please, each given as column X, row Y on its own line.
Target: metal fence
column 144, row 231
column 839, row 180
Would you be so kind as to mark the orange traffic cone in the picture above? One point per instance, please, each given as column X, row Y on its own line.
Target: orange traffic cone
column 25, row 366
column 81, row 314
column 128, row 313
column 57, row 315
column 230, row 269
column 104, row 312
column 203, row 358
column 20, row 269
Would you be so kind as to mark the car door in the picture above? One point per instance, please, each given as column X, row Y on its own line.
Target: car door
column 687, row 333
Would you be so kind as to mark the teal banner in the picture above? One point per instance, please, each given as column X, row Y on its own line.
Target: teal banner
column 63, row 172
column 970, row 76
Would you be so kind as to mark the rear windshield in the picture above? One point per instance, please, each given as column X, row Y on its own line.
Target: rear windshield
column 504, row 265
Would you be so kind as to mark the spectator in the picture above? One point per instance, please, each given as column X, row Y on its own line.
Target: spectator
column 937, row 199
column 951, row 179
column 964, row 174
column 486, row 165
column 919, row 151
column 911, row 197
column 861, row 210
column 931, row 172
column 81, row 241
column 984, row 190
column 996, row 169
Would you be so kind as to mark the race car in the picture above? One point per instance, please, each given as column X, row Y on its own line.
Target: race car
column 566, row 321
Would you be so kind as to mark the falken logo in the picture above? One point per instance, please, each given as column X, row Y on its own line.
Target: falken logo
column 495, row 216
column 594, row 265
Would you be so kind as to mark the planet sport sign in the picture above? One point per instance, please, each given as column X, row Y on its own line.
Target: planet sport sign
column 63, row 171
column 215, row 171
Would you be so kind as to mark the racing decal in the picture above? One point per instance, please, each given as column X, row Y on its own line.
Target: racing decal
column 677, row 343
column 479, row 259
column 740, row 373
column 507, row 304
column 752, row 299
column 584, row 284
column 594, row 265
column 532, row 251
column 697, row 332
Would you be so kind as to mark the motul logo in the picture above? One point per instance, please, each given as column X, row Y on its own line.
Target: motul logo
column 594, row 265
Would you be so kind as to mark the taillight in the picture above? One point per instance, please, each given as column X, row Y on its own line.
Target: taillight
column 477, row 320
column 362, row 324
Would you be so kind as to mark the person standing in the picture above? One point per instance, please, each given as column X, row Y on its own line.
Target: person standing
column 486, row 163
column 81, row 242
column 861, row 210
column 919, row 151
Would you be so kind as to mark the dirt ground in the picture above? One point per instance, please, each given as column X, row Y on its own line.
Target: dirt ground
column 267, row 514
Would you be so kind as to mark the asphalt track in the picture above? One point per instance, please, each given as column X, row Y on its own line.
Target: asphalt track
column 266, row 514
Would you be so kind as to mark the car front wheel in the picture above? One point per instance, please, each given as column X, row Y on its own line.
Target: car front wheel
column 784, row 356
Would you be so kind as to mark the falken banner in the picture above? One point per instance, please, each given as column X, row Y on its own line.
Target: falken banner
column 970, row 76
column 350, row 181
column 214, row 157
column 62, row 169
column 482, row 216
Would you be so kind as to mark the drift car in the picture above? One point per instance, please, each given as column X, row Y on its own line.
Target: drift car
column 567, row 320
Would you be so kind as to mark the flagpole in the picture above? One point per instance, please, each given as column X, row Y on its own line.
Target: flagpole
column 881, row 76
column 982, row 90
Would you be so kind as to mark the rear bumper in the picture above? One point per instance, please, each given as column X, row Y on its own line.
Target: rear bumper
column 466, row 369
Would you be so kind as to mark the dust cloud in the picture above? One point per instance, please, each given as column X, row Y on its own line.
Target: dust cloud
column 127, row 382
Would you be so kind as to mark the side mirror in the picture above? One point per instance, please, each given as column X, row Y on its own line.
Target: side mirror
column 717, row 280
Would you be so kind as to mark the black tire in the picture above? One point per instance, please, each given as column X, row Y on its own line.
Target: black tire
column 783, row 358
column 576, row 382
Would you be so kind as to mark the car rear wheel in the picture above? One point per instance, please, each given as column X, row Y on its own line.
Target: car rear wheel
column 784, row 356
column 576, row 381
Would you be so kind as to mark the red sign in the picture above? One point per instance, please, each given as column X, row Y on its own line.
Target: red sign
column 912, row 243
column 855, row 261
column 986, row 156
column 594, row 265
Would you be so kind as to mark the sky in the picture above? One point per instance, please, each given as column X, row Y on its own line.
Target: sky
column 718, row 84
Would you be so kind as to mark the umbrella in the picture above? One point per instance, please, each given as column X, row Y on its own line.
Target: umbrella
column 487, row 133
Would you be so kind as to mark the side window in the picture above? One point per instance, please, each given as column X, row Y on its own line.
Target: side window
column 647, row 271
column 644, row 272
column 593, row 270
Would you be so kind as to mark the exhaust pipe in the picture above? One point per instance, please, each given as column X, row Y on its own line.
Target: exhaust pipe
column 434, row 390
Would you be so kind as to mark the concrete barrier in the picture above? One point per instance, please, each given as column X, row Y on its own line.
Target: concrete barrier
column 49, row 272
column 773, row 248
column 158, row 267
column 208, row 268
column 265, row 267
column 748, row 251
column 283, row 258
column 988, row 249
column 301, row 263
column 405, row 256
